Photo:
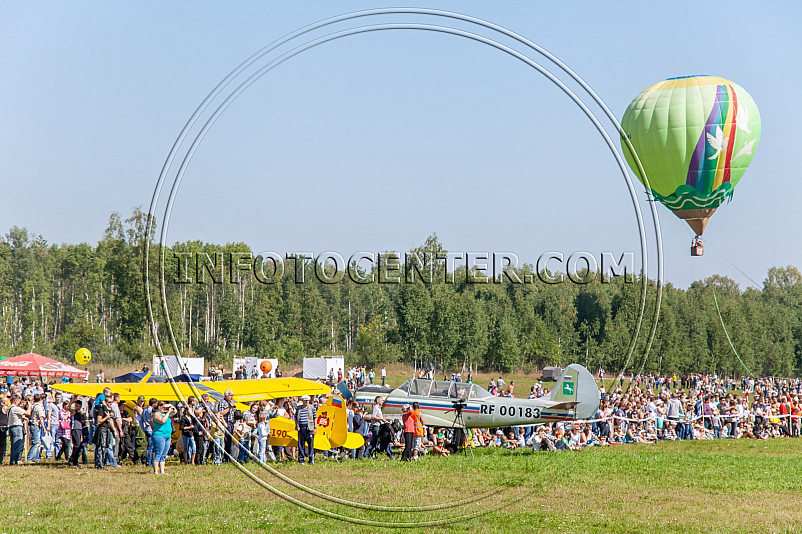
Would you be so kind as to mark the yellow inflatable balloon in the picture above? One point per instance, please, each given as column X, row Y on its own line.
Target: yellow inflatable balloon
column 83, row 356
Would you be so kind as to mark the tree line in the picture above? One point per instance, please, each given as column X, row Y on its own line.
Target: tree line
column 57, row 298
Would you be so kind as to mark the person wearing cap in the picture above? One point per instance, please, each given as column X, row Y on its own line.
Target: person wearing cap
column 102, row 430
column 420, row 430
column 147, row 426
column 305, row 417
column 226, row 409
column 140, row 438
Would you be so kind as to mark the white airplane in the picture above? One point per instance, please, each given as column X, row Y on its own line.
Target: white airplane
column 574, row 396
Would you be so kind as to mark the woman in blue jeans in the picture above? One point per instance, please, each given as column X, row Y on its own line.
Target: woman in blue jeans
column 162, row 430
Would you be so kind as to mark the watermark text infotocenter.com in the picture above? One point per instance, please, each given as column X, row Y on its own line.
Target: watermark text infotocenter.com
column 366, row 267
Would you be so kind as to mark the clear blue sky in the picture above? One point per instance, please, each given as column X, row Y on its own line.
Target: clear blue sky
column 376, row 141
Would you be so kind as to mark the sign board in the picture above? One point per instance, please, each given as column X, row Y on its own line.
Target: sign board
column 320, row 368
column 253, row 367
column 194, row 366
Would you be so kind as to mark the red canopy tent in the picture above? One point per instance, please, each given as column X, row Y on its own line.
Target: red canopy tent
column 37, row 365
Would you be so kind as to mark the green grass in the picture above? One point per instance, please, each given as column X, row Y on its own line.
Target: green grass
column 714, row 486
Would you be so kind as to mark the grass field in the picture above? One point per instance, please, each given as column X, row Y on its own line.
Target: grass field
column 713, row 486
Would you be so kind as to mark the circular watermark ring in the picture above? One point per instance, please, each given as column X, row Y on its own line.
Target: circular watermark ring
column 337, row 35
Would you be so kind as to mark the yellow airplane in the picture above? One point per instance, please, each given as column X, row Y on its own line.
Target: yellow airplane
column 332, row 428
column 244, row 390
column 332, row 424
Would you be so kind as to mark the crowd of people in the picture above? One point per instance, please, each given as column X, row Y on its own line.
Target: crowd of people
column 653, row 408
column 48, row 424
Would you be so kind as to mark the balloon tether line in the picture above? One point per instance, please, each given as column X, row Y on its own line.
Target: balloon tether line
column 750, row 373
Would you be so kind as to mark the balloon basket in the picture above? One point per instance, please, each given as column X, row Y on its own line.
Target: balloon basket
column 697, row 248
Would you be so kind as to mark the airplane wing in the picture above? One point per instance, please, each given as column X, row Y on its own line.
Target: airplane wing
column 557, row 405
column 244, row 390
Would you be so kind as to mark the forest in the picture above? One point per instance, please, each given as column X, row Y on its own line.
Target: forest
column 57, row 298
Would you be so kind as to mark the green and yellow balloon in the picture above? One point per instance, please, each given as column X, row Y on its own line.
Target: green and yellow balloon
column 695, row 136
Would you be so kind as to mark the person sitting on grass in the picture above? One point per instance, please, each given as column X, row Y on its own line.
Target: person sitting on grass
column 650, row 433
column 575, row 437
column 670, row 434
column 700, row 433
column 561, row 441
column 510, row 442
column 776, row 432
column 541, row 442
column 618, row 436
column 440, row 449
column 632, row 434
column 743, row 431
column 589, row 439
column 521, row 438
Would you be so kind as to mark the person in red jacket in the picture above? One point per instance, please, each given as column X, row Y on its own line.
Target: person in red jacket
column 409, row 433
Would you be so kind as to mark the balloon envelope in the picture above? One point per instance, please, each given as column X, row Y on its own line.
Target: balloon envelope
column 694, row 136
column 83, row 356
column 266, row 367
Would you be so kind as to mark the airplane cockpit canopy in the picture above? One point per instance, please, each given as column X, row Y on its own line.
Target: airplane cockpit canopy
column 443, row 388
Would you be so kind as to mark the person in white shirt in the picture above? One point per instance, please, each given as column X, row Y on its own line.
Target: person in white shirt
column 52, row 409
column 384, row 376
column 34, row 429
column 376, row 419
column 17, row 417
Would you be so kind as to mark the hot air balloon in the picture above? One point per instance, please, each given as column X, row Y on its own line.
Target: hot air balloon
column 695, row 136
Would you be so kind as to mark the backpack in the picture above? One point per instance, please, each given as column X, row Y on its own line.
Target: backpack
column 358, row 420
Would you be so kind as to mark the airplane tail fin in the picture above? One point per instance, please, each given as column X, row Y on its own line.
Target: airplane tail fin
column 344, row 390
column 577, row 385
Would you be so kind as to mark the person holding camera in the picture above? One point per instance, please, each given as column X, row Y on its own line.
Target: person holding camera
column 162, row 430
column 17, row 416
column 103, row 430
column 225, row 410
column 77, row 424
column 187, row 425
column 4, row 405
